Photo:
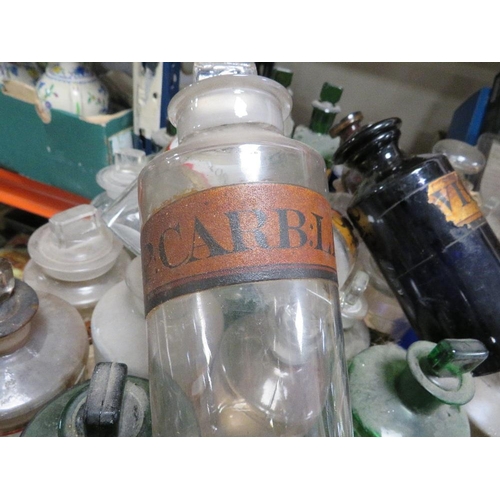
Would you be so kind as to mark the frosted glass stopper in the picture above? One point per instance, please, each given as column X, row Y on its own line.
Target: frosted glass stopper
column 202, row 70
column 75, row 245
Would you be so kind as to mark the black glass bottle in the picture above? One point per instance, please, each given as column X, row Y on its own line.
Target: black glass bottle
column 429, row 238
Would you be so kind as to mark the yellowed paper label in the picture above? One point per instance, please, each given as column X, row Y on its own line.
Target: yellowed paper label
column 452, row 198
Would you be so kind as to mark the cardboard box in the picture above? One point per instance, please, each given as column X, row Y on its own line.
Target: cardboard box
column 55, row 147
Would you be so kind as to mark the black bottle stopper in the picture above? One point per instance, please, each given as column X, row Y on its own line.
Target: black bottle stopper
column 372, row 148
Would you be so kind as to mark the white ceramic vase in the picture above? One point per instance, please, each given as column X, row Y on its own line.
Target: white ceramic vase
column 72, row 87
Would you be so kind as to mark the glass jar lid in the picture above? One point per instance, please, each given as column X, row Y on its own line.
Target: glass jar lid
column 75, row 245
column 463, row 157
column 127, row 165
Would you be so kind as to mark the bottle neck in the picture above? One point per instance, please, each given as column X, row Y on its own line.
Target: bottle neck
column 322, row 117
column 384, row 161
column 438, row 374
column 413, row 395
column 230, row 133
column 374, row 149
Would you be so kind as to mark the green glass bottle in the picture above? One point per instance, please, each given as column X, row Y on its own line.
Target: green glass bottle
column 111, row 404
column 324, row 112
column 414, row 393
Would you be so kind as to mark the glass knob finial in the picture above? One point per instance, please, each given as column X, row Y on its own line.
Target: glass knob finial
column 7, row 280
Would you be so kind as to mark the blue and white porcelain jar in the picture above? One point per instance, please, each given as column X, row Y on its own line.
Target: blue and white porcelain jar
column 27, row 73
column 72, row 87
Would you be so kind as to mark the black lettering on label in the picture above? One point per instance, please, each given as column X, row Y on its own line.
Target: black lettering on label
column 237, row 232
column 445, row 196
column 166, row 241
column 443, row 199
column 319, row 232
column 285, row 227
column 463, row 199
column 209, row 242
column 147, row 254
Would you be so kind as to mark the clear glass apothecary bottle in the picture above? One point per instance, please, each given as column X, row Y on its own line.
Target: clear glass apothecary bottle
column 43, row 350
column 238, row 211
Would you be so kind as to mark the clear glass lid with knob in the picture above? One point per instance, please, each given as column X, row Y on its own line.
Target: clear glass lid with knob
column 126, row 167
column 75, row 245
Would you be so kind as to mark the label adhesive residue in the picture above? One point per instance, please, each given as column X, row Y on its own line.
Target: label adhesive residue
column 236, row 234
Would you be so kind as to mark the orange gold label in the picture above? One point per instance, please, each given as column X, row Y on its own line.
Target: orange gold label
column 452, row 198
column 236, row 234
column 344, row 228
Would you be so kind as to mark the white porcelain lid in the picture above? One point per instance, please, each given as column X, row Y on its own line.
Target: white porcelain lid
column 75, row 245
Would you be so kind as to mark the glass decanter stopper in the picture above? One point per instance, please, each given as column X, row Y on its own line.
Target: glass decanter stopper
column 76, row 257
column 202, row 70
column 414, row 393
column 43, row 349
column 428, row 237
column 115, row 178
